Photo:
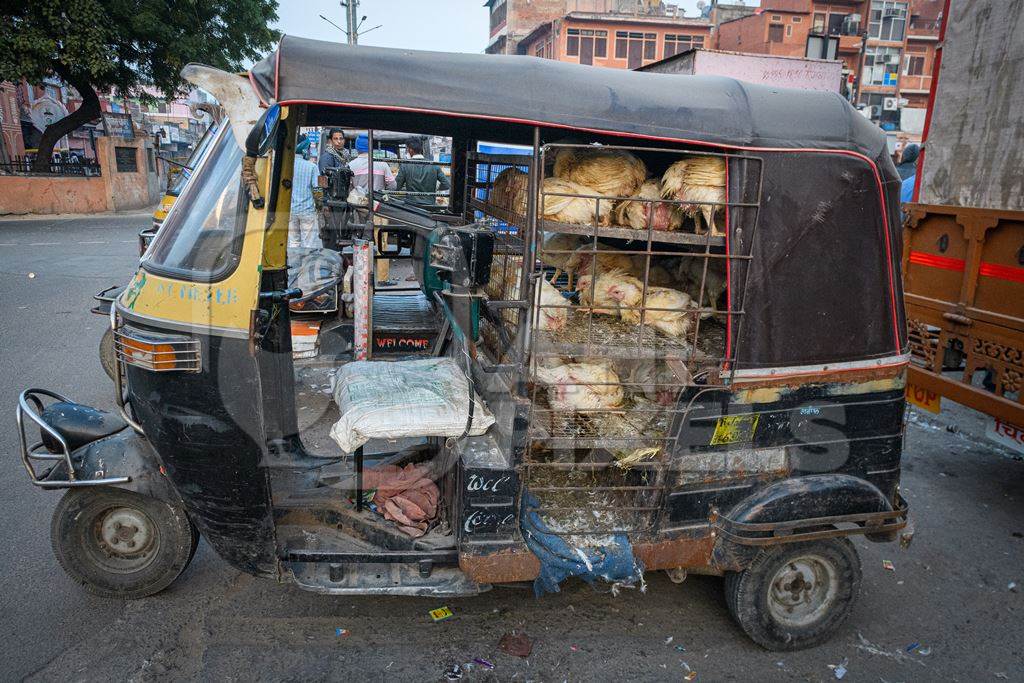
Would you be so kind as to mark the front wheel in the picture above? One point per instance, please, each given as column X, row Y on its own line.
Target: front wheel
column 108, row 355
column 120, row 544
column 795, row 595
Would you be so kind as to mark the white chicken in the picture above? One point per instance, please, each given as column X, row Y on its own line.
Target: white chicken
column 582, row 260
column 610, row 290
column 552, row 308
column 610, row 172
column 581, row 386
column 635, row 214
column 667, row 310
column 700, row 180
column 659, row 380
column 573, row 209
column 690, row 272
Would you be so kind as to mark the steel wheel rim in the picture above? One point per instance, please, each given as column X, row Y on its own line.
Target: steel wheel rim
column 123, row 540
column 803, row 590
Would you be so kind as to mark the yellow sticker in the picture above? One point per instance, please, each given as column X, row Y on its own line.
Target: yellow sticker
column 440, row 614
column 735, row 429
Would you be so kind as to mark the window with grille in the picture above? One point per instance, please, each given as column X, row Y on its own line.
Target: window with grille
column 499, row 12
column 775, row 33
column 126, row 159
column 586, row 44
column 881, row 65
column 635, row 47
column 888, row 20
column 915, row 65
column 679, row 42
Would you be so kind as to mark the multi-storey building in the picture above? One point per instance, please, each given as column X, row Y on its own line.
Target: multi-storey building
column 887, row 47
column 621, row 41
column 512, row 20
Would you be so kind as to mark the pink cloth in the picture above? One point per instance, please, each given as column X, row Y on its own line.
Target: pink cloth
column 405, row 495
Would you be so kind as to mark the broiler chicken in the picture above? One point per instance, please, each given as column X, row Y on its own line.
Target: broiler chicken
column 572, row 209
column 636, row 214
column 700, row 180
column 556, row 249
column 509, row 190
column 691, row 272
column 582, row 260
column 659, row 380
column 610, row 290
column 552, row 308
column 609, row 172
column 581, row 386
column 674, row 319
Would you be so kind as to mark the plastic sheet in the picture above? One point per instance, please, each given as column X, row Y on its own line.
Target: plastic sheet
column 391, row 400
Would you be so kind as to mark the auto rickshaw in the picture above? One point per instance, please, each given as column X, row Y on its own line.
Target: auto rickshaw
column 500, row 424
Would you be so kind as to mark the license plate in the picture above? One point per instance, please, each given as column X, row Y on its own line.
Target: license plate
column 923, row 398
column 1006, row 434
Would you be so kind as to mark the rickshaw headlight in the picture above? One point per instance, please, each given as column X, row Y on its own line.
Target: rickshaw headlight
column 157, row 352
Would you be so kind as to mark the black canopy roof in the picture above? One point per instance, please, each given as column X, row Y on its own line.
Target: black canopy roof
column 514, row 88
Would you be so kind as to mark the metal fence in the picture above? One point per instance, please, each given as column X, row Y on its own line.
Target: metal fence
column 23, row 166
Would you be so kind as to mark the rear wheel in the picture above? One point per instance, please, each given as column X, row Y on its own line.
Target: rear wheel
column 795, row 595
column 120, row 544
column 108, row 357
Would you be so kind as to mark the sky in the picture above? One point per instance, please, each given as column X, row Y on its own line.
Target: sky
column 444, row 25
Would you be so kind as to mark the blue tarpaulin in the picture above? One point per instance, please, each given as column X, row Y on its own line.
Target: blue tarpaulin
column 613, row 561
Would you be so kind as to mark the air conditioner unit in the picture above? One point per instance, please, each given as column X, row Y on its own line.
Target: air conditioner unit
column 890, row 103
column 875, row 110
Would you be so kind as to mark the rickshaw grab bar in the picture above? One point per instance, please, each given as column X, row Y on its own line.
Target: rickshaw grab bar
column 789, row 531
column 33, row 452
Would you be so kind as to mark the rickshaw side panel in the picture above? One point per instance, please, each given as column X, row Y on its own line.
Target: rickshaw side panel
column 822, row 286
column 208, row 436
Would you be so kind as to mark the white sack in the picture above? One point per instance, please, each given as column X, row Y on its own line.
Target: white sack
column 391, row 400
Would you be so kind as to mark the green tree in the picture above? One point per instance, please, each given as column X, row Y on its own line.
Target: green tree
column 99, row 45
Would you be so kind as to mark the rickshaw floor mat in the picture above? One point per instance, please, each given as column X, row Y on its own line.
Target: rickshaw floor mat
column 404, row 313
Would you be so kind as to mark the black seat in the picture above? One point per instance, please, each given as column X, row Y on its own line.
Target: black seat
column 78, row 425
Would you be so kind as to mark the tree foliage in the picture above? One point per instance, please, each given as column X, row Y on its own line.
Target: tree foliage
column 125, row 45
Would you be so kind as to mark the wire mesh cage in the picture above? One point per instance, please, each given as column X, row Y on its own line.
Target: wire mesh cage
column 629, row 311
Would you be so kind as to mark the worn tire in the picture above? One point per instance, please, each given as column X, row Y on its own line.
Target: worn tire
column 759, row 596
column 121, row 544
column 108, row 357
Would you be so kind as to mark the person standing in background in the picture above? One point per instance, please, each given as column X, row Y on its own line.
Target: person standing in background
column 303, row 225
column 334, row 154
column 428, row 178
column 383, row 178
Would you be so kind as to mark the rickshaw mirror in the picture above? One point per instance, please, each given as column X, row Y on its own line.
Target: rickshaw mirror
column 262, row 134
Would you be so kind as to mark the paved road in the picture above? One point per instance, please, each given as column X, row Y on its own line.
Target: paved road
column 948, row 592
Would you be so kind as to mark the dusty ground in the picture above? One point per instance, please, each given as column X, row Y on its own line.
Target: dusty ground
column 949, row 591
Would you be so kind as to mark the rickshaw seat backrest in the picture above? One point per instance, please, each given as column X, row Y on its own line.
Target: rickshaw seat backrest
column 78, row 425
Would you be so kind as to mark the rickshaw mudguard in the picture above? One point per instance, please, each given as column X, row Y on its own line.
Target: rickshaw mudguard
column 807, row 507
column 123, row 454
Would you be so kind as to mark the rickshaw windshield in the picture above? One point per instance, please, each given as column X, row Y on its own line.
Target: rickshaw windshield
column 201, row 238
column 178, row 184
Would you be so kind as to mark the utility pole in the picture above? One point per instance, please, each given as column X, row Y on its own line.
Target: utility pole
column 352, row 20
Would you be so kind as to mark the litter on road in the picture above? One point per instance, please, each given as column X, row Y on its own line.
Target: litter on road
column 441, row 613
column 515, row 644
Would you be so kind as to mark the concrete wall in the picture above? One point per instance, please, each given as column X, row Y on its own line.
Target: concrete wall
column 113, row 190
